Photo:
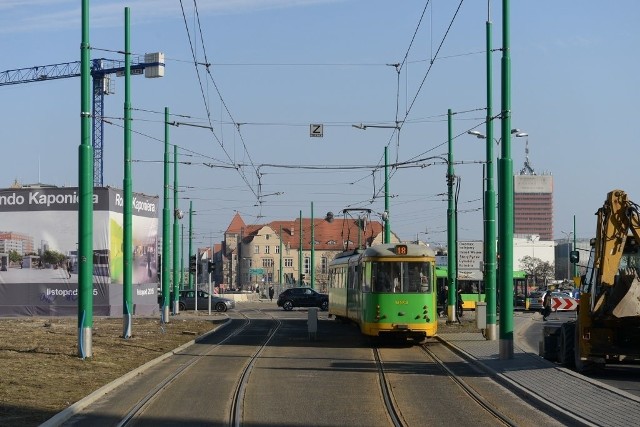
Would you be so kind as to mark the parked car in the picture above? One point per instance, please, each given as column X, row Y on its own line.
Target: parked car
column 567, row 303
column 302, row 297
column 187, row 301
column 536, row 299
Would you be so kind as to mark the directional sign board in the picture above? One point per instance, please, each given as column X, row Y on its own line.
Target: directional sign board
column 561, row 303
column 315, row 131
column 256, row 271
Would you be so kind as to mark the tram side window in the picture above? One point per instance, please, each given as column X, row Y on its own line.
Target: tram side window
column 352, row 278
column 419, row 280
column 366, row 277
column 380, row 278
column 339, row 279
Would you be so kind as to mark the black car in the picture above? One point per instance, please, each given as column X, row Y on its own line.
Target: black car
column 303, row 297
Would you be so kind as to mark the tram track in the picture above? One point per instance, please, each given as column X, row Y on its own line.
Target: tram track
column 431, row 369
column 387, row 395
column 468, row 389
column 235, row 416
column 139, row 410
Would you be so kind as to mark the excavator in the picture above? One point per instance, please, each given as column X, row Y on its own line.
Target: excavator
column 607, row 327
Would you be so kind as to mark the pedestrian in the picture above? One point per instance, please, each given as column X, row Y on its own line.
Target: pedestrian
column 271, row 291
column 69, row 268
column 459, row 304
column 546, row 305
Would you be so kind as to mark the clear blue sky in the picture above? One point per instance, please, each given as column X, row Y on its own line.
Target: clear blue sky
column 281, row 65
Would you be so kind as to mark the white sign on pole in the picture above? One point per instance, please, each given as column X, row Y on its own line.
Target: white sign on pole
column 315, row 131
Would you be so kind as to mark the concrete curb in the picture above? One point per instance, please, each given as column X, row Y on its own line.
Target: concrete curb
column 77, row 407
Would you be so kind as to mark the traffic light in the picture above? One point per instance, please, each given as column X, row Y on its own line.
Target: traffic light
column 212, row 266
column 192, row 264
column 574, row 257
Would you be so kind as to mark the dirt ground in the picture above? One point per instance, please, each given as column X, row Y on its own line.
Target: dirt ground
column 41, row 373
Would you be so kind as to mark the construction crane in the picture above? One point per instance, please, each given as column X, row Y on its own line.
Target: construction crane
column 152, row 65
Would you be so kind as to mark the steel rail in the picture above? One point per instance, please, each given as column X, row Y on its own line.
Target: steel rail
column 237, row 403
column 468, row 389
column 387, row 395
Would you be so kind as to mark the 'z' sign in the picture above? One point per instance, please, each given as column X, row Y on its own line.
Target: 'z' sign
column 315, row 131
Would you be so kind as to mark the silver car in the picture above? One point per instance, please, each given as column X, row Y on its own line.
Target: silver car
column 188, row 302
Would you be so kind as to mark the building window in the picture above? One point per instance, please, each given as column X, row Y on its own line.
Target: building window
column 248, row 262
column 277, row 249
column 324, row 262
column 307, row 264
column 267, row 262
column 288, row 262
column 266, row 249
column 256, row 249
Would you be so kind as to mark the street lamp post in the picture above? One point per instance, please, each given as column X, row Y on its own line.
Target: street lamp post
column 505, row 198
column 515, row 132
column 452, row 238
column 178, row 215
column 489, row 270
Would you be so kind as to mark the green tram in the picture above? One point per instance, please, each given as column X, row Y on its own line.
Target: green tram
column 473, row 290
column 387, row 289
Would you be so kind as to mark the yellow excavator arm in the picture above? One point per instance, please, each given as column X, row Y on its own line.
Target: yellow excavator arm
column 616, row 219
column 618, row 290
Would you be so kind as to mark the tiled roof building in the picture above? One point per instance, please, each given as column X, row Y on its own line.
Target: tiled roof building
column 253, row 254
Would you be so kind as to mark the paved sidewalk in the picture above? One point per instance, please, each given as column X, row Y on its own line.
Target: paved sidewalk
column 558, row 390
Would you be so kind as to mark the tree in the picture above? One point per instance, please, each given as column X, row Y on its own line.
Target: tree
column 53, row 257
column 14, row 256
column 541, row 271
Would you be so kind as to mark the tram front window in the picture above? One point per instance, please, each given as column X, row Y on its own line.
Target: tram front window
column 413, row 277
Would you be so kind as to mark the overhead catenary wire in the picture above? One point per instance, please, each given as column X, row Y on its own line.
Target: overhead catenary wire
column 240, row 172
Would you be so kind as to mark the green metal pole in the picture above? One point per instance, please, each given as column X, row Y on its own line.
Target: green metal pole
column 313, row 250
column 191, row 243
column 452, row 264
column 85, row 196
column 176, row 234
column 574, row 269
column 490, row 207
column 300, row 254
column 387, row 225
column 166, row 226
column 280, row 273
column 181, row 284
column 505, row 201
column 127, row 219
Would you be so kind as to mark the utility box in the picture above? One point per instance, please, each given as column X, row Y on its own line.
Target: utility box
column 481, row 315
column 312, row 321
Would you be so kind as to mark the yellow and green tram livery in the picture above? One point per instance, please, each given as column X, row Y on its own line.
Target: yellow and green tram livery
column 386, row 289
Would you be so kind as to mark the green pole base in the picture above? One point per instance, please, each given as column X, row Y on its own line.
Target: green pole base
column 85, row 349
column 492, row 332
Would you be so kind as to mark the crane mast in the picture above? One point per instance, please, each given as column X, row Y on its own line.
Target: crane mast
column 152, row 65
